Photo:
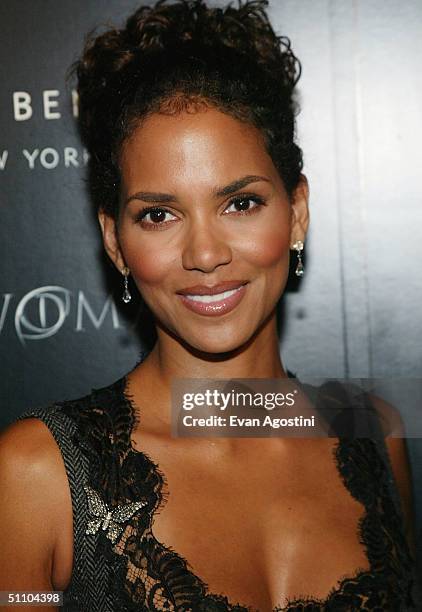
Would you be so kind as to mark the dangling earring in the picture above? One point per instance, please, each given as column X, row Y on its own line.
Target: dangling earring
column 126, row 297
column 298, row 246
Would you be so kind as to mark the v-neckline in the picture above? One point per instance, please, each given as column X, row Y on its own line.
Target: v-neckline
column 340, row 449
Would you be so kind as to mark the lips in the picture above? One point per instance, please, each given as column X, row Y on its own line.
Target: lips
column 213, row 300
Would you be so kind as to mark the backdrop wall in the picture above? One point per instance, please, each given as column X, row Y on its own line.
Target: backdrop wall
column 357, row 313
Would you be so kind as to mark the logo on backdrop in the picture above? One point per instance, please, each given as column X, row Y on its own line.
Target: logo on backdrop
column 47, row 105
column 42, row 312
column 23, row 105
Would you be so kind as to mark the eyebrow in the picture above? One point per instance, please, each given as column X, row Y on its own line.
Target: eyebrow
column 149, row 196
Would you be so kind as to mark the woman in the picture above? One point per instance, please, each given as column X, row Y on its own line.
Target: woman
column 188, row 115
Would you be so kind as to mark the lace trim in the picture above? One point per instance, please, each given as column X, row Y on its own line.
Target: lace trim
column 148, row 575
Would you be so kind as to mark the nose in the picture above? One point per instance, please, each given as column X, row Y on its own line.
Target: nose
column 205, row 248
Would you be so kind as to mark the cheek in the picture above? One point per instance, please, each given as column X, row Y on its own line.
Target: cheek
column 275, row 250
column 149, row 264
column 268, row 249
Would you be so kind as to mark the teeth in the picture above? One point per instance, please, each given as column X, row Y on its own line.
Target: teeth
column 209, row 299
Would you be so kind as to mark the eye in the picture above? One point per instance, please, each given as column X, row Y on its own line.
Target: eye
column 245, row 204
column 154, row 216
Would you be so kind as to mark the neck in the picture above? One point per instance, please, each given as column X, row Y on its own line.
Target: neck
column 258, row 358
column 150, row 382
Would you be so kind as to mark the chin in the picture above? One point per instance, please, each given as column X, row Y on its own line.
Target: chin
column 213, row 337
column 214, row 343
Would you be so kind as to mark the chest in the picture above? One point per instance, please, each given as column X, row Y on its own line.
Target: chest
column 261, row 523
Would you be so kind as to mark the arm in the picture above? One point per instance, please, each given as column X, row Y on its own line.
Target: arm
column 397, row 451
column 35, row 508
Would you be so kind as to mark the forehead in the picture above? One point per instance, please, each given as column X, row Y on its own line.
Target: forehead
column 201, row 146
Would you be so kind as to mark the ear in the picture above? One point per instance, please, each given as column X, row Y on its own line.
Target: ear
column 110, row 239
column 300, row 211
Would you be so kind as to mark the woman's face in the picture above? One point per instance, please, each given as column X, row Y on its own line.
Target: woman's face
column 202, row 205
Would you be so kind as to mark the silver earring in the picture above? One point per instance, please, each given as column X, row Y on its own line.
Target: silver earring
column 126, row 297
column 298, row 246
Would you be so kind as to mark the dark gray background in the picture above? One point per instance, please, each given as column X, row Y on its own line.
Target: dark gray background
column 357, row 313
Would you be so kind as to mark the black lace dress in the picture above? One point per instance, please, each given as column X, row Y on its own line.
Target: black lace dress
column 120, row 566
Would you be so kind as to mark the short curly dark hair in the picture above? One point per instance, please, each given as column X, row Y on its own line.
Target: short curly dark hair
column 169, row 56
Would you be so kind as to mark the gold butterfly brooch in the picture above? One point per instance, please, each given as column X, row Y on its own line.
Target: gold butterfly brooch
column 109, row 519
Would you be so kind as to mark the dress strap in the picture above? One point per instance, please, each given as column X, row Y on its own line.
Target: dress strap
column 87, row 588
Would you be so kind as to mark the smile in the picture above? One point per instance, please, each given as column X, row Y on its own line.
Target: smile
column 216, row 304
column 213, row 298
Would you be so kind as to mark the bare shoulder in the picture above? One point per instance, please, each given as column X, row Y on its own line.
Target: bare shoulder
column 27, row 439
column 28, row 451
column 390, row 418
column 395, row 441
column 35, row 497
